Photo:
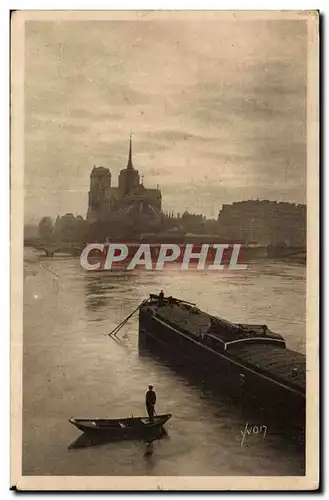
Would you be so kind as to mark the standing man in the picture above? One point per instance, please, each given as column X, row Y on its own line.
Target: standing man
column 150, row 400
column 161, row 298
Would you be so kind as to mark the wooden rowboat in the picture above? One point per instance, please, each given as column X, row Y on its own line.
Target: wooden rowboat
column 123, row 428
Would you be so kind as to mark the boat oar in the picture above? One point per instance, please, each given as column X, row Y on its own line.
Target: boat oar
column 126, row 319
column 120, row 325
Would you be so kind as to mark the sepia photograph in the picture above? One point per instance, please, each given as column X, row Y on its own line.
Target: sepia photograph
column 164, row 247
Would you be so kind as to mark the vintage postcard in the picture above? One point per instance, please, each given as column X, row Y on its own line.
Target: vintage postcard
column 164, row 243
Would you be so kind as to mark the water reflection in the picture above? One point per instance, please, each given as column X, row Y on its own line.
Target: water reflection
column 95, row 291
column 99, row 377
column 210, row 388
column 100, row 287
column 91, row 440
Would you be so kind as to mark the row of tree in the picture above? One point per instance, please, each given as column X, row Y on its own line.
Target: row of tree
column 67, row 228
column 74, row 229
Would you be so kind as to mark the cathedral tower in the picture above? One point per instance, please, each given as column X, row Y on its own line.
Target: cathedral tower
column 129, row 177
column 99, row 194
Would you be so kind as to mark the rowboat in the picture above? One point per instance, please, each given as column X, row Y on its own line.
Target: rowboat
column 123, row 428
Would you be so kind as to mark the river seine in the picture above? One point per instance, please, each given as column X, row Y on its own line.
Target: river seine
column 72, row 368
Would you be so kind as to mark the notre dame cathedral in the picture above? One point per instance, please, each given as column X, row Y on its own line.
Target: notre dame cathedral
column 129, row 202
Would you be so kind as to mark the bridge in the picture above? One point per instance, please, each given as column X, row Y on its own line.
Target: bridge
column 52, row 247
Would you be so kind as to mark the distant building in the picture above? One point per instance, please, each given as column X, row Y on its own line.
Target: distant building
column 70, row 228
column 264, row 222
column 129, row 197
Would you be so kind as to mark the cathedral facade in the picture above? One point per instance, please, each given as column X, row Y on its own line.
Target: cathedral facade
column 129, row 200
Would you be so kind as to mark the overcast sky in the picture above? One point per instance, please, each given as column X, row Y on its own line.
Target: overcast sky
column 217, row 110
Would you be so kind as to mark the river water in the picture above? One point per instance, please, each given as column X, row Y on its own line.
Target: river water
column 71, row 368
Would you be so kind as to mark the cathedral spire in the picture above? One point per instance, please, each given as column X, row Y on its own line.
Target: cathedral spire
column 130, row 163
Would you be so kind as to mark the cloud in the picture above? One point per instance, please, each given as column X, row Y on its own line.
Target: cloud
column 219, row 105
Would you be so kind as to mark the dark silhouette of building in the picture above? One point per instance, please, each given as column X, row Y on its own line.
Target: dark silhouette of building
column 129, row 198
column 264, row 222
column 70, row 228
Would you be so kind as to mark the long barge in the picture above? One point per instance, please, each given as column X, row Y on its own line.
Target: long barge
column 250, row 360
